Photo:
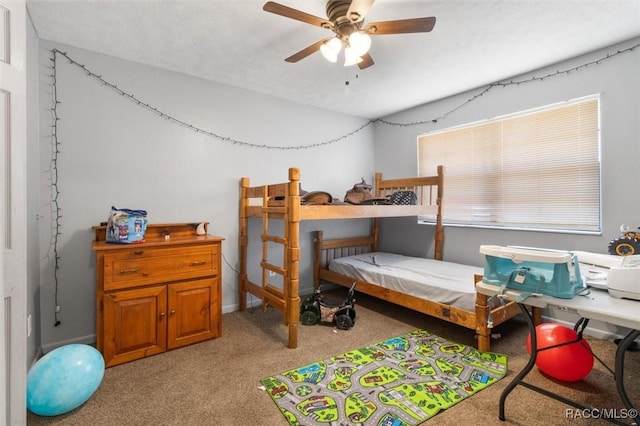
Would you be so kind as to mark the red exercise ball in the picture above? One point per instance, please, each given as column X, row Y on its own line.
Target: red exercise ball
column 568, row 363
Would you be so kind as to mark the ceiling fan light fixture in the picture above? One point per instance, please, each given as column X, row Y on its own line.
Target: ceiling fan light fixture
column 345, row 18
column 330, row 49
column 351, row 57
column 360, row 42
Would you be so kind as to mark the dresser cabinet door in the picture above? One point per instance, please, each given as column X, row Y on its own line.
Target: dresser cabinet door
column 135, row 324
column 193, row 311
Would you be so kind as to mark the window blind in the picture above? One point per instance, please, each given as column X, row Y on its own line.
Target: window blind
column 534, row 170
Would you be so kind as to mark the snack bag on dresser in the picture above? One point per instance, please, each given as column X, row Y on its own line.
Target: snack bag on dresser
column 126, row 226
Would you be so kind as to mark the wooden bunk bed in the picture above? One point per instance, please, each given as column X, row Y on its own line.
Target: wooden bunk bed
column 283, row 201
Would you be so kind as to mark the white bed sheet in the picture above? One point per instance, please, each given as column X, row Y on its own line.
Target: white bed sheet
column 436, row 280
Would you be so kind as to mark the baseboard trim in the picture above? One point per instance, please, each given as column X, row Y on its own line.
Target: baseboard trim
column 38, row 355
column 87, row 340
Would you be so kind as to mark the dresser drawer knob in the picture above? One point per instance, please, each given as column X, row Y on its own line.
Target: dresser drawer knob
column 129, row 271
column 198, row 263
column 138, row 252
column 173, row 312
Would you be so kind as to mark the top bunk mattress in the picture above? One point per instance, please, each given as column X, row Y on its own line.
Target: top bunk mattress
column 436, row 280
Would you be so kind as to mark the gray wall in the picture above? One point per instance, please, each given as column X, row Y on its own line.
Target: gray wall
column 116, row 153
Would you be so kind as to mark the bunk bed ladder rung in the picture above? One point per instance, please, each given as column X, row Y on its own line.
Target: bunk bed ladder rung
column 275, row 296
column 273, row 268
column 274, row 239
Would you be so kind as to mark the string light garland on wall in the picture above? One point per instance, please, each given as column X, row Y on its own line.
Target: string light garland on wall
column 491, row 86
column 196, row 129
column 212, row 134
column 55, row 192
column 56, row 212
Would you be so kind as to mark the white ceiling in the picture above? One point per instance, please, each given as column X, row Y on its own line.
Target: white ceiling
column 474, row 43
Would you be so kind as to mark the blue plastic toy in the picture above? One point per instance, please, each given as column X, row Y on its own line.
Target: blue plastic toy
column 64, row 379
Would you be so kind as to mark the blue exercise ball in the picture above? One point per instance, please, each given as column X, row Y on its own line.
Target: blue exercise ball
column 64, row 379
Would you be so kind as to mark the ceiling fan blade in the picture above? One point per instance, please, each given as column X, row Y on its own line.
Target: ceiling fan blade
column 403, row 26
column 307, row 51
column 367, row 61
column 296, row 14
column 358, row 9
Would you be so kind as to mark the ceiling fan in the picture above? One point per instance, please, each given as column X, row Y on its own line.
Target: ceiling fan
column 346, row 19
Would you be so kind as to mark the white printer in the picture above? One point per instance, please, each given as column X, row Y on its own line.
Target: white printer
column 620, row 275
column 623, row 281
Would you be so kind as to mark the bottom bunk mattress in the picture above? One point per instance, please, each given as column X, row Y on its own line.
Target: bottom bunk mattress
column 436, row 280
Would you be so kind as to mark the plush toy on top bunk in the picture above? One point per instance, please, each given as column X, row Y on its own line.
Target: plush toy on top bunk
column 361, row 194
column 308, row 198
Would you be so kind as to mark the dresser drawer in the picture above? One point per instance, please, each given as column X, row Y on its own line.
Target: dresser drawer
column 138, row 267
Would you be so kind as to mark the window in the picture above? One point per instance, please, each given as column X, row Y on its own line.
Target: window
column 537, row 170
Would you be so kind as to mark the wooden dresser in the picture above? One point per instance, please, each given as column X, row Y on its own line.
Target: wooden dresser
column 158, row 295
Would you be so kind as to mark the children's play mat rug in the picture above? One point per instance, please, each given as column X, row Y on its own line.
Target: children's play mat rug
column 400, row 381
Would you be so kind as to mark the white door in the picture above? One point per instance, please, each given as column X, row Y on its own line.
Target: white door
column 13, row 231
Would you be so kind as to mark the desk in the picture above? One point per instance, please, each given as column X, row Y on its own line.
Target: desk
column 597, row 305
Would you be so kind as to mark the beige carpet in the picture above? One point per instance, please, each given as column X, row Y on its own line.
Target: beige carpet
column 216, row 382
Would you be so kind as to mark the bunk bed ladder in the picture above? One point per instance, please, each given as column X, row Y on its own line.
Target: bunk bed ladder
column 280, row 201
column 272, row 295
